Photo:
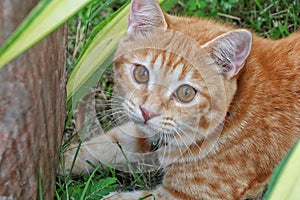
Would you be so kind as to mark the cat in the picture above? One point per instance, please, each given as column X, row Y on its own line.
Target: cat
column 222, row 103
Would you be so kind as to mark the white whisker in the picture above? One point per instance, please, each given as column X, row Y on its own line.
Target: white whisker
column 185, row 144
column 193, row 141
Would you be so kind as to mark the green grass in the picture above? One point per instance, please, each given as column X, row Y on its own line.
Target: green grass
column 268, row 18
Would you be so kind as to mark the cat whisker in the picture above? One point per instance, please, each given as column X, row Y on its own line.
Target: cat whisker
column 164, row 150
column 177, row 131
column 120, row 120
column 110, row 103
column 167, row 148
column 95, row 116
column 193, row 142
column 112, row 113
column 92, row 129
column 181, row 153
column 185, row 125
column 196, row 131
column 118, row 97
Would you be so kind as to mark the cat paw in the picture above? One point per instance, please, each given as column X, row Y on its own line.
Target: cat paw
column 111, row 196
column 127, row 196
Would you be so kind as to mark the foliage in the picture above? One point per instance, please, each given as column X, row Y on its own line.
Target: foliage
column 45, row 18
column 89, row 187
column 208, row 8
column 285, row 181
column 270, row 18
column 91, row 65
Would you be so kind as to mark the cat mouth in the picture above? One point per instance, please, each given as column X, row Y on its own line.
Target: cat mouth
column 150, row 129
column 146, row 125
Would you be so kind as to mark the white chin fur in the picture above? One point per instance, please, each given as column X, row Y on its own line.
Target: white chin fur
column 150, row 131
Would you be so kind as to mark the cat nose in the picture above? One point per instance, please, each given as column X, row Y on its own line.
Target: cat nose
column 147, row 114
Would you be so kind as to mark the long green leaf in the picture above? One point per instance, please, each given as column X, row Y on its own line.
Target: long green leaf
column 99, row 54
column 47, row 16
column 285, row 182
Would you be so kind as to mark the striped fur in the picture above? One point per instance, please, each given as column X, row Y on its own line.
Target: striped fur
column 203, row 157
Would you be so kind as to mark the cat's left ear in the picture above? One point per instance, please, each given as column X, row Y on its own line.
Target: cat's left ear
column 230, row 51
column 146, row 15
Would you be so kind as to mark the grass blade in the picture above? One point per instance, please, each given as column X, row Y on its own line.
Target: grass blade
column 47, row 16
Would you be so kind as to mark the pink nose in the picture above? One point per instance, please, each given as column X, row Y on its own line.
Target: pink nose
column 147, row 114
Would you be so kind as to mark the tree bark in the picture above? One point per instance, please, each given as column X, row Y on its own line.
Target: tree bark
column 32, row 110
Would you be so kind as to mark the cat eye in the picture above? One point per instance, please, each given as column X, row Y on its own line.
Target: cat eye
column 185, row 93
column 141, row 74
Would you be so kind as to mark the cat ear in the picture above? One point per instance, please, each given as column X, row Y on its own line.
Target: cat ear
column 145, row 14
column 231, row 50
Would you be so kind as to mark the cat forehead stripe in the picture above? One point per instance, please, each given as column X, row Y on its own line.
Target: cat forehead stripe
column 157, row 62
column 170, row 63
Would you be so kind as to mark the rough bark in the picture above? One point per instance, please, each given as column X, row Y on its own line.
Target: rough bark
column 32, row 110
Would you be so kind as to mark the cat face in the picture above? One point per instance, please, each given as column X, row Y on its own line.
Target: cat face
column 171, row 86
column 163, row 93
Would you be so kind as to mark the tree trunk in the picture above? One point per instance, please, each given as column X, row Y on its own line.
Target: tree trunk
column 32, row 110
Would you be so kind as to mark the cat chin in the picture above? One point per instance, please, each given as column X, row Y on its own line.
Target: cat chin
column 149, row 130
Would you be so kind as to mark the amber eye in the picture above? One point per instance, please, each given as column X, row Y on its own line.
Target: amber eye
column 141, row 74
column 185, row 93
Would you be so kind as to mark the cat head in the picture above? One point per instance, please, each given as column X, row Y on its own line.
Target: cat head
column 172, row 86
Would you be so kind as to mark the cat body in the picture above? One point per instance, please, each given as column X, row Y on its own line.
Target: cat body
column 239, row 104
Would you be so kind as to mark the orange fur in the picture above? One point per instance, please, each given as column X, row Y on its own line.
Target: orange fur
column 263, row 100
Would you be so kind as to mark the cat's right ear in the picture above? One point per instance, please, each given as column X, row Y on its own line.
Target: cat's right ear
column 230, row 51
column 145, row 15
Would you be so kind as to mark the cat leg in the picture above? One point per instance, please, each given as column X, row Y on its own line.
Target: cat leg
column 105, row 148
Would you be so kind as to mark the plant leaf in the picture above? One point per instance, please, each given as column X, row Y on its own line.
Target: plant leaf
column 103, row 187
column 285, row 182
column 98, row 56
column 47, row 16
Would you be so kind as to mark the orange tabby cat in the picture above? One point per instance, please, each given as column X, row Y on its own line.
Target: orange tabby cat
column 223, row 104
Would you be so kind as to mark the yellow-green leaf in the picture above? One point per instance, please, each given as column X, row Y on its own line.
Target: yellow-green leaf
column 47, row 16
column 98, row 55
column 285, row 183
